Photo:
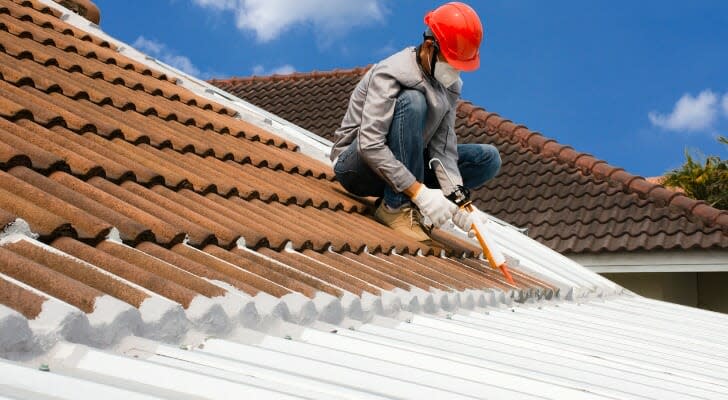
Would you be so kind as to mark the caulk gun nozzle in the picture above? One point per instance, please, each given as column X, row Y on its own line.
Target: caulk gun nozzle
column 507, row 274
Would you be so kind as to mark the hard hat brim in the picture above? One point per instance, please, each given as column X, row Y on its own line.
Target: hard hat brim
column 467, row 66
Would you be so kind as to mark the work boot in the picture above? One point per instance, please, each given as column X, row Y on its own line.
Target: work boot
column 406, row 221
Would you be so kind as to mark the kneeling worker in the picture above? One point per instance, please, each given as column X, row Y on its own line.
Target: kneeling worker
column 402, row 114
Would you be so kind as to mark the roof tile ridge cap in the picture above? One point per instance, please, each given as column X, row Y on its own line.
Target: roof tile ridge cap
column 505, row 127
column 702, row 210
column 294, row 76
column 476, row 114
column 667, row 197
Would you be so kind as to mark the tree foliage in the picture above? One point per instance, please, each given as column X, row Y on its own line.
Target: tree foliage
column 702, row 178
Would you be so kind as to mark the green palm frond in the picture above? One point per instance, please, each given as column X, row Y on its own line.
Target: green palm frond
column 702, row 178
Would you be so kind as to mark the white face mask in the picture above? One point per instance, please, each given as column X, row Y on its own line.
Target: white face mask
column 446, row 74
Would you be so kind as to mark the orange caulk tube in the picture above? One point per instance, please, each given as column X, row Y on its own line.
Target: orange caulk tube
column 495, row 257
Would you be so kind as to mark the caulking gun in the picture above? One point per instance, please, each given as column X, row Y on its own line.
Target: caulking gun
column 461, row 197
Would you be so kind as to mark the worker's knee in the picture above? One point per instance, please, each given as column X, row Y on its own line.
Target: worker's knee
column 478, row 164
column 490, row 160
column 413, row 100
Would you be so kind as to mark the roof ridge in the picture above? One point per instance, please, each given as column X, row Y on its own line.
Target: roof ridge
column 294, row 76
column 593, row 166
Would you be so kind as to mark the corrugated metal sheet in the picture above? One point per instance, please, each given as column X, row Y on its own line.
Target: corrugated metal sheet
column 625, row 347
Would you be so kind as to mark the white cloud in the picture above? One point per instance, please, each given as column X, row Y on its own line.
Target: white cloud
column 690, row 114
column 269, row 18
column 160, row 51
column 285, row 69
column 217, row 4
column 149, row 46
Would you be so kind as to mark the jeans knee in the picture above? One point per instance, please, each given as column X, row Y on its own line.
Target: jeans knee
column 414, row 100
column 478, row 164
column 491, row 156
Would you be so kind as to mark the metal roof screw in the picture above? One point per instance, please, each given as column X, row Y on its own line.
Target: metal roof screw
column 351, row 328
column 408, row 320
column 288, row 337
column 44, row 368
column 513, row 310
column 448, row 316
column 201, row 346
column 334, row 331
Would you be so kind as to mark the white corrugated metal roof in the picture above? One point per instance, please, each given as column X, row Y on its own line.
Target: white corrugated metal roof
column 625, row 347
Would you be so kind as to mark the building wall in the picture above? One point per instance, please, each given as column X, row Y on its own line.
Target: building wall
column 707, row 290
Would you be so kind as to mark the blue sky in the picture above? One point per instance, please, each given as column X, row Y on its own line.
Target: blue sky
column 631, row 82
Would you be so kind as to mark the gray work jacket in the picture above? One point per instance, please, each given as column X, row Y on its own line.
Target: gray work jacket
column 370, row 112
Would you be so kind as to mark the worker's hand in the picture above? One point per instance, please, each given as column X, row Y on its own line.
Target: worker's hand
column 464, row 219
column 434, row 205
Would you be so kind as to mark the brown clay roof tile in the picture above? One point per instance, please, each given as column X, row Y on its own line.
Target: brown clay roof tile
column 161, row 268
column 130, row 229
column 76, row 271
column 86, row 225
column 291, row 271
column 193, row 267
column 6, row 218
column 48, row 281
column 138, row 274
column 163, row 231
column 325, row 272
column 21, row 299
column 360, row 271
column 37, row 6
column 249, row 269
column 398, row 270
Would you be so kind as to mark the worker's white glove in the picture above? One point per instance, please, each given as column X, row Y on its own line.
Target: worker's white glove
column 434, row 205
column 464, row 219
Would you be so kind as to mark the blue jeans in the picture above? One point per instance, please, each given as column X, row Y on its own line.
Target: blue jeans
column 477, row 162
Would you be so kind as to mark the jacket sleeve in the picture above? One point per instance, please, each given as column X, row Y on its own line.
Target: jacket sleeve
column 444, row 147
column 377, row 114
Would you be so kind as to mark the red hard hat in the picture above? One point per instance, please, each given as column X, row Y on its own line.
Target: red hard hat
column 459, row 32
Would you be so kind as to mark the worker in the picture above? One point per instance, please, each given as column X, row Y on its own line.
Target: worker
column 401, row 115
